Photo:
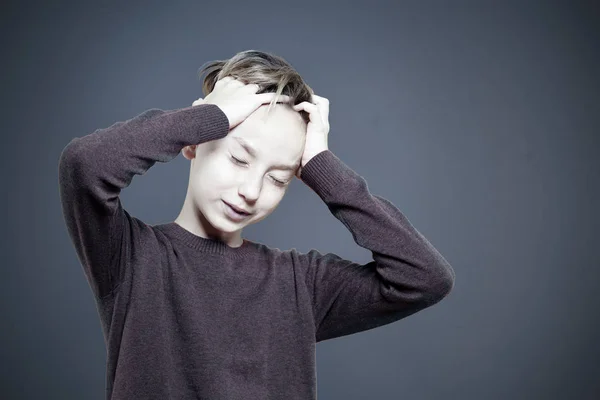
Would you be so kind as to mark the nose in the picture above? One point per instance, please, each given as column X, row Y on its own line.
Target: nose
column 250, row 188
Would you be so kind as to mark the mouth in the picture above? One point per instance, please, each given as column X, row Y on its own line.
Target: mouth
column 237, row 210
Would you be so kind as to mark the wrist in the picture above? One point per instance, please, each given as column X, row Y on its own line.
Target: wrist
column 311, row 155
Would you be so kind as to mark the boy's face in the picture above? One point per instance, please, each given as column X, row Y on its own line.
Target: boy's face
column 253, row 182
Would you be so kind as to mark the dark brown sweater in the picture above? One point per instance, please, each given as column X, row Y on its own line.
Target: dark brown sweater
column 185, row 317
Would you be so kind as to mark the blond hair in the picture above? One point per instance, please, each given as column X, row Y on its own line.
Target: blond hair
column 270, row 72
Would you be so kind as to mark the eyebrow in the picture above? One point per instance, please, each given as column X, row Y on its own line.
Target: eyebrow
column 248, row 147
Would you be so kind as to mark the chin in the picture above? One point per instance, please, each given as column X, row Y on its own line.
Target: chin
column 224, row 224
column 255, row 220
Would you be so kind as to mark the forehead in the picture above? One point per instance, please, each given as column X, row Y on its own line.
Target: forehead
column 278, row 136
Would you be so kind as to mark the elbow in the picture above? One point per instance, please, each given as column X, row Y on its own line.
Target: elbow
column 441, row 284
column 69, row 154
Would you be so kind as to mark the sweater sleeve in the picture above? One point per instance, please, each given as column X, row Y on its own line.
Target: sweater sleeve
column 93, row 170
column 407, row 273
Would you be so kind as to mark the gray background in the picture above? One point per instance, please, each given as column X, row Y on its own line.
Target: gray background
column 478, row 119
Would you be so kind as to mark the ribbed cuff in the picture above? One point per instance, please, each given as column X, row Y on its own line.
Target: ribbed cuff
column 324, row 172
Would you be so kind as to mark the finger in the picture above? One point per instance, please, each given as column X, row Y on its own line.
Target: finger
column 305, row 105
column 253, row 87
column 323, row 104
column 268, row 97
column 314, row 111
column 237, row 82
column 284, row 98
column 321, row 100
column 298, row 106
column 224, row 80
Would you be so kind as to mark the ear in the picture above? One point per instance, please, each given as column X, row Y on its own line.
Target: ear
column 189, row 152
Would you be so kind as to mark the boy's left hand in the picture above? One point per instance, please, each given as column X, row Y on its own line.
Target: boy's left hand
column 317, row 129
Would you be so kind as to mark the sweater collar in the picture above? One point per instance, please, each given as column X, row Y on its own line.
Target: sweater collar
column 206, row 245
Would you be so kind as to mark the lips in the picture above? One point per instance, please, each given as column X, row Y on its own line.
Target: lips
column 240, row 210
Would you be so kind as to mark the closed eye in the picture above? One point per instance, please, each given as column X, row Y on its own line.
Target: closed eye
column 239, row 161
column 242, row 162
column 280, row 183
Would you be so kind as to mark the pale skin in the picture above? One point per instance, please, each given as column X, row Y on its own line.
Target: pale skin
column 224, row 171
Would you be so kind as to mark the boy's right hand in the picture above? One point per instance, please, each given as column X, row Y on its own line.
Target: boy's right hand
column 238, row 100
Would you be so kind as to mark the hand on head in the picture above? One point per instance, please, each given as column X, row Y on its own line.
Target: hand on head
column 237, row 99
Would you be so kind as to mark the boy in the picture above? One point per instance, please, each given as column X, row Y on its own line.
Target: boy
column 190, row 309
